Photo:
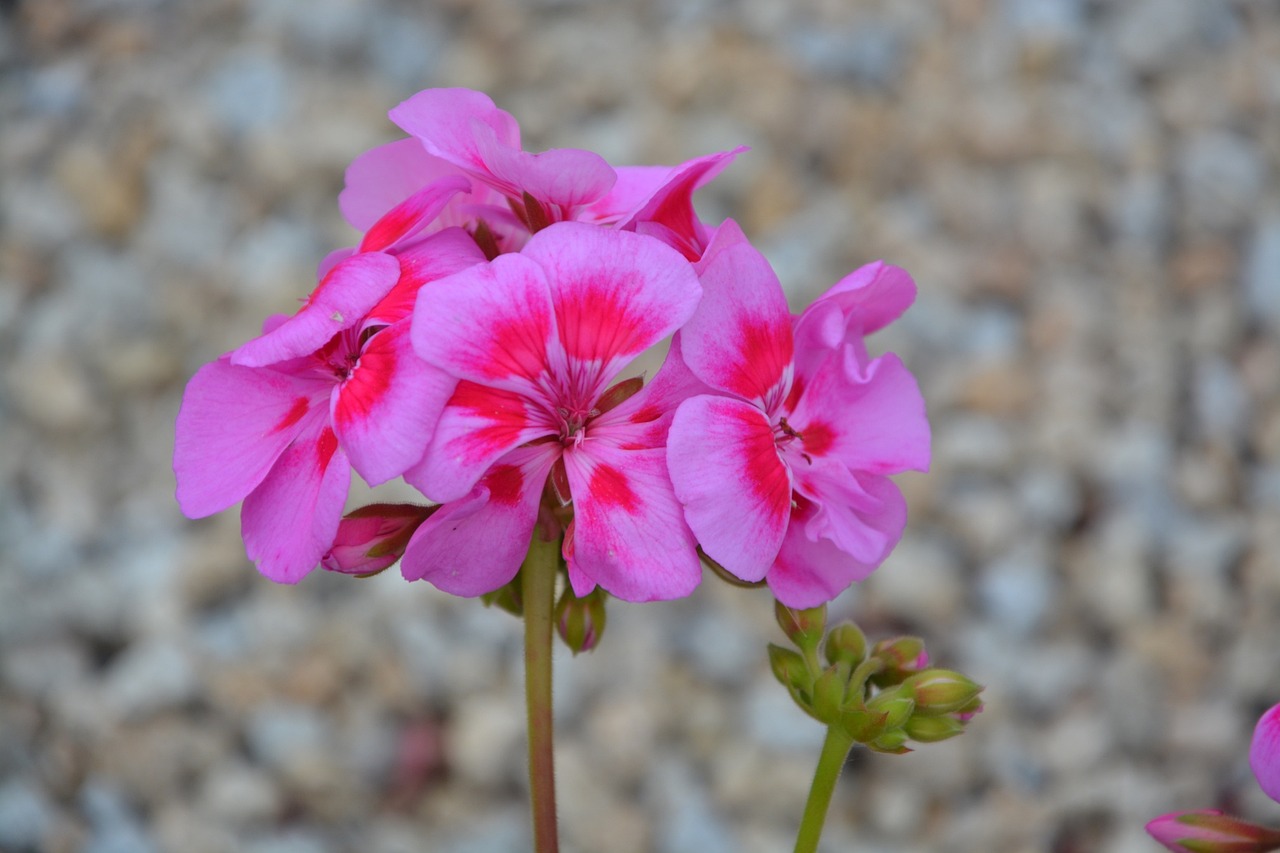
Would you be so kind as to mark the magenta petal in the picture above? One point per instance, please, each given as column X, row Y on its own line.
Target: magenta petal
column 564, row 177
column 644, row 419
column 342, row 298
column 290, row 521
column 735, row 490
column 478, row 426
column 413, row 214
column 615, row 294
column 863, row 514
column 382, row 178
column 808, row 573
column 872, row 418
column 671, row 206
column 233, row 424
column 475, row 544
column 490, row 323
column 634, row 187
column 1264, row 752
column 453, row 124
column 739, row 339
column 442, row 254
column 629, row 534
column 871, row 297
column 386, row 411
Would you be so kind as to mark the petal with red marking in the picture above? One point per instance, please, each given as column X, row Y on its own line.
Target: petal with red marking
column 739, row 339
column 386, row 411
column 385, row 176
column 442, row 254
column 475, row 544
column 863, row 514
column 811, row 572
column 566, row 178
column 233, row 424
column 671, row 205
column 413, row 214
column 615, row 294
column 491, row 323
column 290, row 521
column 871, row 417
column 477, row 427
column 342, row 298
column 629, row 535
column 735, row 489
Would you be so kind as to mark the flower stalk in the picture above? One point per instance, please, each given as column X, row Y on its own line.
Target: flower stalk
column 835, row 749
column 538, row 587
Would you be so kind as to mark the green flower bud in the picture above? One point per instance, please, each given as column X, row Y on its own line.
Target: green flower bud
column 896, row 703
column 942, row 691
column 892, row 742
column 828, row 694
column 846, row 644
column 506, row 598
column 862, row 725
column 932, row 729
column 902, row 656
column 580, row 621
column 789, row 668
column 802, row 627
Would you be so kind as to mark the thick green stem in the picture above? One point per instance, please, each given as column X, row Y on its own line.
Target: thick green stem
column 835, row 749
column 538, row 586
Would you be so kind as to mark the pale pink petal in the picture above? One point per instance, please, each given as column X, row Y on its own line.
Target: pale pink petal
column 290, row 521
column 475, row 544
column 808, row 573
column 671, row 206
column 233, row 424
column 491, row 323
column 453, row 123
column 341, row 299
column 871, row 417
column 634, row 187
column 872, row 296
column 1264, row 752
column 739, row 339
column 386, row 411
column 413, row 214
column 382, row 178
column 735, row 489
column 615, row 294
column 442, row 254
column 863, row 514
column 565, row 178
column 629, row 534
column 477, row 427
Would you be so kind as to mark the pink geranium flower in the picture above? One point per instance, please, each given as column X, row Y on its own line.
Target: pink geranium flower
column 280, row 421
column 535, row 340
column 783, row 473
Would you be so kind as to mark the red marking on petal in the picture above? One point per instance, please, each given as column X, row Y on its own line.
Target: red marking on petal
column 504, row 483
column 596, row 323
column 766, row 473
column 299, row 408
column 646, row 414
column 367, row 385
column 609, row 486
column 817, row 438
column 503, row 409
column 767, row 350
column 793, row 398
column 326, row 447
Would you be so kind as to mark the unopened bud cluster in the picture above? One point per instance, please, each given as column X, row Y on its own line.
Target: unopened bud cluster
column 882, row 696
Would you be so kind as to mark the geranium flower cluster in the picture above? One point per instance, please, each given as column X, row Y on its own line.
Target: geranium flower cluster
column 473, row 343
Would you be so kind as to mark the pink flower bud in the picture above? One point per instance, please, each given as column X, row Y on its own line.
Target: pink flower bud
column 1211, row 831
column 1264, row 753
column 373, row 537
column 580, row 621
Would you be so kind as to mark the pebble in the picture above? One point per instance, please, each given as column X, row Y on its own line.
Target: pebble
column 150, row 676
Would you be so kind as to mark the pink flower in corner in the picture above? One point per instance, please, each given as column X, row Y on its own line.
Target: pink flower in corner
column 280, row 421
column 536, row 339
column 1264, row 752
column 783, row 473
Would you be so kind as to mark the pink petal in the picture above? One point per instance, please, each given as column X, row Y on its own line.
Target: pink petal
column 643, row 420
column 1264, row 752
column 290, row 521
column 739, row 339
column 475, row 544
column 629, row 534
column 565, row 178
column 871, row 418
column 477, row 427
column 810, row 572
column 863, row 514
column 382, row 178
column 615, row 294
column 453, row 123
column 735, row 490
column 233, row 425
column 672, row 205
column 413, row 214
column 634, row 187
column 442, row 254
column 867, row 299
column 340, row 301
column 491, row 323
column 327, row 264
column 385, row 412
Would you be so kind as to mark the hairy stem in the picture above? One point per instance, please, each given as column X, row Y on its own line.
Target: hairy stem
column 538, row 585
column 835, row 749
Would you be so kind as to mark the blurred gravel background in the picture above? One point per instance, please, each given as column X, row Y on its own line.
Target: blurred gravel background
column 1084, row 190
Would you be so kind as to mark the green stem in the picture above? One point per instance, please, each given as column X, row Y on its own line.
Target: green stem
column 835, row 749
column 538, row 587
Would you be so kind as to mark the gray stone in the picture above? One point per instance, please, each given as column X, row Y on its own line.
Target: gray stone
column 1222, row 175
column 248, row 92
column 25, row 815
column 150, row 676
column 690, row 824
column 1016, row 591
column 1262, row 272
column 283, row 735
